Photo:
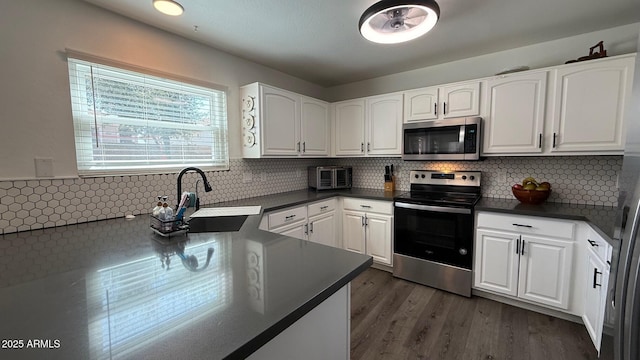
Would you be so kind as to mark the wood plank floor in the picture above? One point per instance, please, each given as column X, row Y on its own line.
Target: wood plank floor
column 396, row 319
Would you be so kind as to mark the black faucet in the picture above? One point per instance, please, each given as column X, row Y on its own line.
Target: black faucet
column 207, row 186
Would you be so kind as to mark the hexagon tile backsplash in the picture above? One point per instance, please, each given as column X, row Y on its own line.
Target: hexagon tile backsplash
column 36, row 204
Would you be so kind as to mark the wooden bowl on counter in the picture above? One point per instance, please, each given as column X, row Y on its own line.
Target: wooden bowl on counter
column 531, row 196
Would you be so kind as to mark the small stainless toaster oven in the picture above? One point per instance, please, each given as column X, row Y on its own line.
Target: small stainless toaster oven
column 330, row 177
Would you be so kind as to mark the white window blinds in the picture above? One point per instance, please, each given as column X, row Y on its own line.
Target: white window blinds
column 127, row 122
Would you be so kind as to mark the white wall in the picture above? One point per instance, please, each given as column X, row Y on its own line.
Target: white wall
column 35, row 110
column 617, row 41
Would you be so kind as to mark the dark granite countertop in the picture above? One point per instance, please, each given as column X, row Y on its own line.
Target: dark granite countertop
column 299, row 197
column 602, row 218
column 112, row 289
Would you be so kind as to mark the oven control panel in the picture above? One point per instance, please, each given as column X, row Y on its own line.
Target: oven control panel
column 458, row 178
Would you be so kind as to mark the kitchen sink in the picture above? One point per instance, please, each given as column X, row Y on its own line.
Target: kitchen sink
column 221, row 219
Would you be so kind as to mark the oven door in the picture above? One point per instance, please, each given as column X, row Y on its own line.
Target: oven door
column 438, row 233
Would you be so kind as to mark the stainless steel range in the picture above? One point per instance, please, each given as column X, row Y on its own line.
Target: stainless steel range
column 433, row 236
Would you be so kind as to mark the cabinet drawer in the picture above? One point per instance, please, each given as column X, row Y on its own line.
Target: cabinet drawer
column 527, row 225
column 322, row 207
column 382, row 207
column 287, row 216
column 598, row 245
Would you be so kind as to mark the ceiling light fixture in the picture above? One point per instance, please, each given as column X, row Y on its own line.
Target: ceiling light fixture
column 168, row 7
column 396, row 21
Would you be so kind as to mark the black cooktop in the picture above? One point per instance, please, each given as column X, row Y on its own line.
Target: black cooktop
column 440, row 198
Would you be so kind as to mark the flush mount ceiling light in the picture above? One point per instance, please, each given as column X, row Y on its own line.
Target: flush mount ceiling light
column 396, row 21
column 168, row 7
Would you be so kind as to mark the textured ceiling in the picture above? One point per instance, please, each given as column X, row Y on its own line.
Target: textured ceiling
column 319, row 40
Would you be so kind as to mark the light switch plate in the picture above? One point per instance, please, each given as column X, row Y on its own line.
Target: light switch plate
column 44, row 167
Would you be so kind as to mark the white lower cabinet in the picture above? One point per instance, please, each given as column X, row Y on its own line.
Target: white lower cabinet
column 322, row 229
column 316, row 222
column 371, row 231
column 518, row 256
column 596, row 278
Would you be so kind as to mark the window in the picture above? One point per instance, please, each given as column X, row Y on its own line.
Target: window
column 127, row 122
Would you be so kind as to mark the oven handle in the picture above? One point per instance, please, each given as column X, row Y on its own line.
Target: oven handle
column 434, row 208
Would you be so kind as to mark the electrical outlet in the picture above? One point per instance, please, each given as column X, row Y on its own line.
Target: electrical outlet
column 247, row 177
column 502, row 177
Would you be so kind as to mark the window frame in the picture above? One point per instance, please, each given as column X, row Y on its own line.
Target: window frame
column 157, row 78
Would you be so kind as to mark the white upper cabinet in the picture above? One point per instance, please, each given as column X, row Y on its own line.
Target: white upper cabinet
column 280, row 115
column 315, row 127
column 384, row 123
column 441, row 102
column 280, row 123
column 369, row 126
column 589, row 105
column 421, row 104
column 349, row 119
column 459, row 100
column 515, row 113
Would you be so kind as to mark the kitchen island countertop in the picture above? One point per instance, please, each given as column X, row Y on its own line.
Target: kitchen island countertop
column 113, row 289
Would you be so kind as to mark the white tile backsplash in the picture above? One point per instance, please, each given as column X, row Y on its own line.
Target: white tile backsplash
column 36, row 204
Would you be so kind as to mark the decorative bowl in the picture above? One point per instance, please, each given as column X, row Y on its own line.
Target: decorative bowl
column 531, row 196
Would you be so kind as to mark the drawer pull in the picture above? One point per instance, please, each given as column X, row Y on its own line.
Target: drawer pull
column 365, row 206
column 324, row 207
column 593, row 243
column 521, row 225
column 595, row 277
column 290, row 217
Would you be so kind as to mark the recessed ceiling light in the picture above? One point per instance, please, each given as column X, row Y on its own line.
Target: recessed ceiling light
column 168, row 7
column 396, row 21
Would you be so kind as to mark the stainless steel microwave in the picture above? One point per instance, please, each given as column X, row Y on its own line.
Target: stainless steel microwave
column 448, row 139
column 330, row 177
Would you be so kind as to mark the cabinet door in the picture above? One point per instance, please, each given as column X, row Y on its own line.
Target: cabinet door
column 420, row 104
column 545, row 271
column 314, row 127
column 349, row 118
column 515, row 114
column 322, row 229
column 280, row 119
column 496, row 262
column 353, row 231
column 460, row 100
column 596, row 279
column 589, row 105
column 379, row 237
column 297, row 230
column 384, row 119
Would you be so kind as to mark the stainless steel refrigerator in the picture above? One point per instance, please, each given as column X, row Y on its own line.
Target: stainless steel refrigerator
column 624, row 298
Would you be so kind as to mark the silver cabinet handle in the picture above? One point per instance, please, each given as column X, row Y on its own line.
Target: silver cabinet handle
column 366, row 221
column 311, row 227
column 362, row 218
column 521, row 225
column 306, row 229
